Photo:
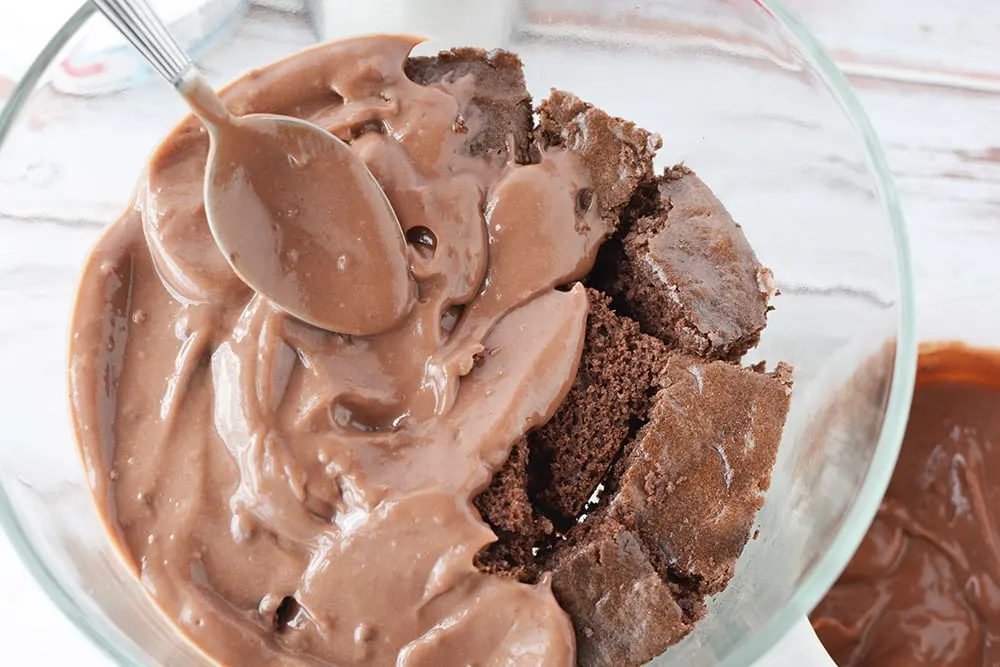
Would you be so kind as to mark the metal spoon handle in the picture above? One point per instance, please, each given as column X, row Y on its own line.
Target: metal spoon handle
column 140, row 25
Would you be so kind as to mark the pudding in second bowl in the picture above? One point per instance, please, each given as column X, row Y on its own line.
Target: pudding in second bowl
column 924, row 586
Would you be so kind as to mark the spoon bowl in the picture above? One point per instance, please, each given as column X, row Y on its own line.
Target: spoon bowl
column 334, row 257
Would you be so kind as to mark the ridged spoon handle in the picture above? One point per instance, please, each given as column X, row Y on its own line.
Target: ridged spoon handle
column 140, row 25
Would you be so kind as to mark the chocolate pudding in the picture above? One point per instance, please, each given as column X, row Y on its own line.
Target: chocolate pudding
column 924, row 586
column 558, row 415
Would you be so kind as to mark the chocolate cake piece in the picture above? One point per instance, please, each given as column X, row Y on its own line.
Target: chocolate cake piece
column 688, row 273
column 555, row 470
column 495, row 107
column 623, row 612
column 618, row 153
column 519, row 527
column 610, row 397
column 694, row 479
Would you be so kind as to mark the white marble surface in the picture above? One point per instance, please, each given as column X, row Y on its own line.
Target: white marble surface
column 927, row 72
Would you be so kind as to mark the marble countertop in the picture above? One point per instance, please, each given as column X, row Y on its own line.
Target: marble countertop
column 928, row 75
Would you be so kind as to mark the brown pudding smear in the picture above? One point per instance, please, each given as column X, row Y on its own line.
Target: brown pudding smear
column 291, row 496
column 924, row 587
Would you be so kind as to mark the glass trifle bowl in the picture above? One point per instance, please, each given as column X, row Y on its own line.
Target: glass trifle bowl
column 738, row 90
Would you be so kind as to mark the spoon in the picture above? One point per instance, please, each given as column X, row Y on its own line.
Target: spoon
column 293, row 209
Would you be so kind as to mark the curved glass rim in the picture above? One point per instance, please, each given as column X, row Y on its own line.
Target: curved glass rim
column 96, row 630
column 825, row 572
column 823, row 575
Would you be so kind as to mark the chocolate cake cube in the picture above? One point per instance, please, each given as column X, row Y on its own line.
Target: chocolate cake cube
column 610, row 397
column 519, row 527
column 495, row 107
column 624, row 614
column 695, row 478
column 555, row 470
column 618, row 153
column 688, row 273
